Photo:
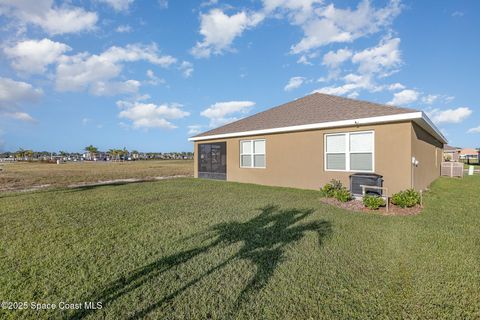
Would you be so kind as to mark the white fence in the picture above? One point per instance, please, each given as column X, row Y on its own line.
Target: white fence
column 452, row 169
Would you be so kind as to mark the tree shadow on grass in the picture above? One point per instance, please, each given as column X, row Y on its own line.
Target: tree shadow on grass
column 264, row 239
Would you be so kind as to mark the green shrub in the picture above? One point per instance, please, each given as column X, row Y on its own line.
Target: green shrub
column 373, row 202
column 406, row 199
column 336, row 190
column 328, row 190
column 336, row 184
column 343, row 194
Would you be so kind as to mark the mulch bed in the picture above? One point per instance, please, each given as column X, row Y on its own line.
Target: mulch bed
column 357, row 205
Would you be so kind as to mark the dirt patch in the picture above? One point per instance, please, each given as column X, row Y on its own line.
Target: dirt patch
column 357, row 205
column 132, row 180
column 93, row 184
column 24, row 176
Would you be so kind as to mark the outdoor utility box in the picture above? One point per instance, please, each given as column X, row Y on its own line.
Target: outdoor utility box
column 365, row 179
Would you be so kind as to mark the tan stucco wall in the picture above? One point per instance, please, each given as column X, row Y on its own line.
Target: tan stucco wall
column 429, row 153
column 296, row 159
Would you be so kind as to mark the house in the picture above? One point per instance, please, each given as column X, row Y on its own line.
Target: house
column 309, row 141
column 451, row 153
column 468, row 154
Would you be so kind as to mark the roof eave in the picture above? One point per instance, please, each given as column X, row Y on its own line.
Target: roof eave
column 417, row 116
column 431, row 128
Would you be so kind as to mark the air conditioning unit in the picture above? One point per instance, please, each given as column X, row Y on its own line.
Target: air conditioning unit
column 365, row 179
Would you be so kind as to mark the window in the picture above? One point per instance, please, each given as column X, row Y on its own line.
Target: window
column 252, row 153
column 351, row 151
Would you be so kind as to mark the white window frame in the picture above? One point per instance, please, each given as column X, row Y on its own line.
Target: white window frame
column 253, row 153
column 347, row 151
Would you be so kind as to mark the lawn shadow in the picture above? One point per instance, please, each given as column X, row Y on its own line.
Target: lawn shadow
column 264, row 239
column 97, row 185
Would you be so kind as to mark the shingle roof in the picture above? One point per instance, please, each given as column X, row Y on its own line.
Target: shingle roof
column 314, row 108
column 448, row 147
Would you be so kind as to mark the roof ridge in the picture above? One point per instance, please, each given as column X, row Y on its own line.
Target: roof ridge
column 316, row 106
column 331, row 96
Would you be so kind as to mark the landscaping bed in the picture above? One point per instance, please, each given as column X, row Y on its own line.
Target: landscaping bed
column 357, row 205
column 405, row 202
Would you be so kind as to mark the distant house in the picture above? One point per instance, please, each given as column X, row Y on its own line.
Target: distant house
column 307, row 142
column 468, row 153
column 451, row 153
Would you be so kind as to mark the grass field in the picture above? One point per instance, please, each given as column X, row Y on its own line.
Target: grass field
column 197, row 249
column 24, row 175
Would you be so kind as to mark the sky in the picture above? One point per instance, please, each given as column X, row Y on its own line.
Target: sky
column 147, row 75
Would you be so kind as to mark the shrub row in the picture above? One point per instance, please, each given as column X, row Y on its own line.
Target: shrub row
column 405, row 199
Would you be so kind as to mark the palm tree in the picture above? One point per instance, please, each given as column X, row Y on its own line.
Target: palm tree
column 63, row 154
column 112, row 153
column 92, row 150
column 135, row 154
column 20, row 153
column 28, row 154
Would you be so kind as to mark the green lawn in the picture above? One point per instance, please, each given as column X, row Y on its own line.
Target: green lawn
column 196, row 249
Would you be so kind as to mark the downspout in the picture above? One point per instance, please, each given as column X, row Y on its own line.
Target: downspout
column 412, row 172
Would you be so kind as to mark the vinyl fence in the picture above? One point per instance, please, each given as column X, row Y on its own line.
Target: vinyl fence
column 452, row 169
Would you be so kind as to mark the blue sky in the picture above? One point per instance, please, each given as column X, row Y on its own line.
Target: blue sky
column 146, row 75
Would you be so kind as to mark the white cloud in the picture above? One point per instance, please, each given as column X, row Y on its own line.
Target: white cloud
column 111, row 88
column 124, row 29
column 119, row 5
column 373, row 64
column 334, row 59
column 12, row 91
column 222, row 112
column 219, row 30
column 94, row 72
column 437, row 98
column 135, row 52
column 163, row 4
column 298, row 11
column 321, row 24
column 396, row 86
column 474, row 130
column 304, row 60
column 187, row 68
column 379, row 59
column 13, row 94
column 294, row 83
column 450, row 115
column 153, row 79
column 353, row 84
column 208, row 3
column 430, row 99
column 194, row 129
column 46, row 15
column 22, row 116
column 458, row 14
column 404, row 97
column 332, row 25
column 33, row 56
column 449, row 99
column 149, row 115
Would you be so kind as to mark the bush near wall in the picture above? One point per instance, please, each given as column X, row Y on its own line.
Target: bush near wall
column 406, row 199
column 336, row 190
column 373, row 202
